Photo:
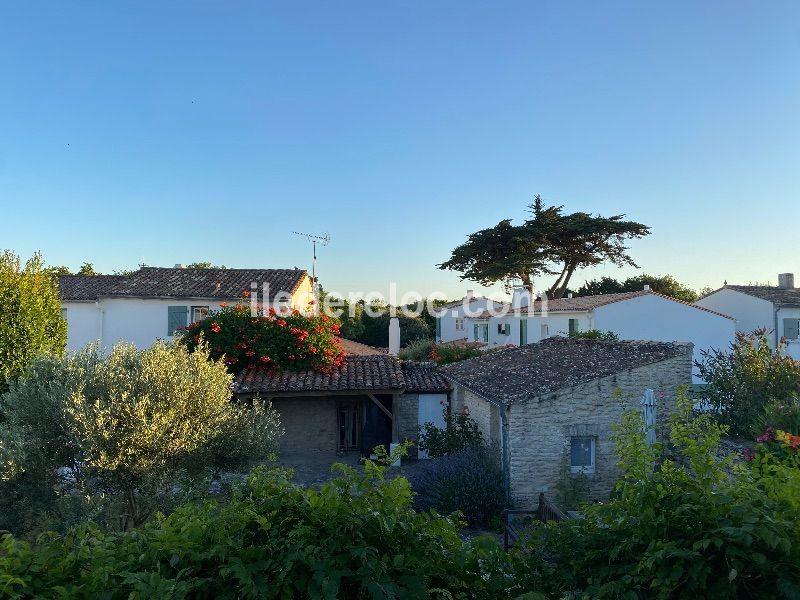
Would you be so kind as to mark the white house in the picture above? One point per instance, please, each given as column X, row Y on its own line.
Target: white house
column 153, row 303
column 642, row 315
column 451, row 322
column 776, row 309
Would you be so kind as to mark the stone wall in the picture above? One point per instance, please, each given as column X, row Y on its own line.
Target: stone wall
column 310, row 424
column 540, row 429
column 409, row 420
column 485, row 414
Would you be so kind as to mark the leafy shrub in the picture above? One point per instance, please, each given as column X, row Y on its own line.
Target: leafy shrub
column 781, row 414
column 572, row 489
column 594, row 334
column 118, row 437
column 30, row 314
column 355, row 537
column 418, row 350
column 691, row 526
column 449, row 353
column 270, row 340
column 469, row 480
column 741, row 382
column 460, row 431
column 374, row 331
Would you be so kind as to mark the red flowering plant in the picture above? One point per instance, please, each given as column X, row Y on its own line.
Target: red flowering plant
column 270, row 340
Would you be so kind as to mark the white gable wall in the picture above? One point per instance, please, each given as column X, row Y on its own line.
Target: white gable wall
column 751, row 313
column 83, row 323
column 652, row 317
column 447, row 321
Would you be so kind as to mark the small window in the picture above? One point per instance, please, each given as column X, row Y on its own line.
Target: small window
column 176, row 319
column 791, row 329
column 545, row 331
column 503, row 328
column 459, row 324
column 581, row 455
column 199, row 313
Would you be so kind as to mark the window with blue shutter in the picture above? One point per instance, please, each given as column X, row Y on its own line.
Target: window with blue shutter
column 791, row 329
column 475, row 337
column 177, row 317
column 523, row 332
column 438, row 328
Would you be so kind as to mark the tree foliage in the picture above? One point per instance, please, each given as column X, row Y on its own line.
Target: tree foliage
column 87, row 269
column 665, row 284
column 112, row 436
column 30, row 314
column 548, row 243
column 742, row 381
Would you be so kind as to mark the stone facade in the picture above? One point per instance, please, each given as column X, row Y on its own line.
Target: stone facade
column 539, row 429
column 409, row 420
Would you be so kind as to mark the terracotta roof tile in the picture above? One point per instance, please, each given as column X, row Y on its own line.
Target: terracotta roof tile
column 424, row 377
column 86, row 288
column 518, row 373
column 377, row 373
column 776, row 295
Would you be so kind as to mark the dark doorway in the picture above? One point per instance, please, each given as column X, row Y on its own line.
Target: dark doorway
column 377, row 427
column 349, row 421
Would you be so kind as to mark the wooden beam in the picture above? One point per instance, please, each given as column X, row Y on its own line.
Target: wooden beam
column 381, row 406
column 396, row 422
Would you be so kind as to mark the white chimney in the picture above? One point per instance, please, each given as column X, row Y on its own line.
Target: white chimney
column 786, row 281
column 180, row 266
column 394, row 336
column 520, row 297
column 470, row 293
column 646, row 287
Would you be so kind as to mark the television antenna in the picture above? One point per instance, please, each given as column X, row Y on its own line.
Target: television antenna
column 322, row 240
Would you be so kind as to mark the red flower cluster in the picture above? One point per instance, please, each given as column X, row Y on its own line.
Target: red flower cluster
column 270, row 340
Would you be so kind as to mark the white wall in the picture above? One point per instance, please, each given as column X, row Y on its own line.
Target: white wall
column 557, row 324
column 750, row 312
column 448, row 331
column 792, row 346
column 140, row 321
column 652, row 317
column 83, row 324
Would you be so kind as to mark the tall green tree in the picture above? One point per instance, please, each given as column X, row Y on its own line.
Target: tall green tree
column 548, row 243
column 87, row 269
column 30, row 314
column 663, row 284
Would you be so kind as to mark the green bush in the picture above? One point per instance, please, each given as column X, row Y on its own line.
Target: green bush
column 692, row 526
column 445, row 354
column 30, row 314
column 741, row 382
column 781, row 414
column 460, row 431
column 469, row 481
column 418, row 350
column 117, row 437
column 354, row 537
column 288, row 340
column 594, row 334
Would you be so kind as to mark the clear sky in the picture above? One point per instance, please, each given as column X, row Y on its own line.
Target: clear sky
column 166, row 132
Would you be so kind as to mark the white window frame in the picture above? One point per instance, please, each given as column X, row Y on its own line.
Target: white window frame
column 590, row 468
column 544, row 331
column 196, row 308
column 459, row 324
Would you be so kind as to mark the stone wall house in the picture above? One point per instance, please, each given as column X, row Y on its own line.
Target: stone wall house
column 556, row 401
column 372, row 399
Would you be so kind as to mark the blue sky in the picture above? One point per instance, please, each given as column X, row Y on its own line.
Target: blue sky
column 184, row 131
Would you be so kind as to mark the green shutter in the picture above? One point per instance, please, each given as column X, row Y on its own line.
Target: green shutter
column 486, row 333
column 475, row 337
column 573, row 326
column 438, row 328
column 523, row 332
column 177, row 317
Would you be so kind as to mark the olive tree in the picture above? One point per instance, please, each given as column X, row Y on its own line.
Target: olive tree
column 30, row 314
column 130, row 432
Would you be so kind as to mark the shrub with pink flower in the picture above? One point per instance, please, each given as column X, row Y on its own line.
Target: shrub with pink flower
column 270, row 340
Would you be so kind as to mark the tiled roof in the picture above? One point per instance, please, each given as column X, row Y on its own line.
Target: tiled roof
column 86, row 288
column 424, row 377
column 776, row 295
column 455, row 303
column 517, row 373
column 587, row 303
column 376, row 373
column 228, row 284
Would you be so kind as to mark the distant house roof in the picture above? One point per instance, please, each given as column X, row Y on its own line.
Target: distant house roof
column 518, row 373
column 421, row 377
column 86, row 288
column 587, row 303
column 776, row 295
column 157, row 282
column 375, row 373
column 352, row 348
column 471, row 299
